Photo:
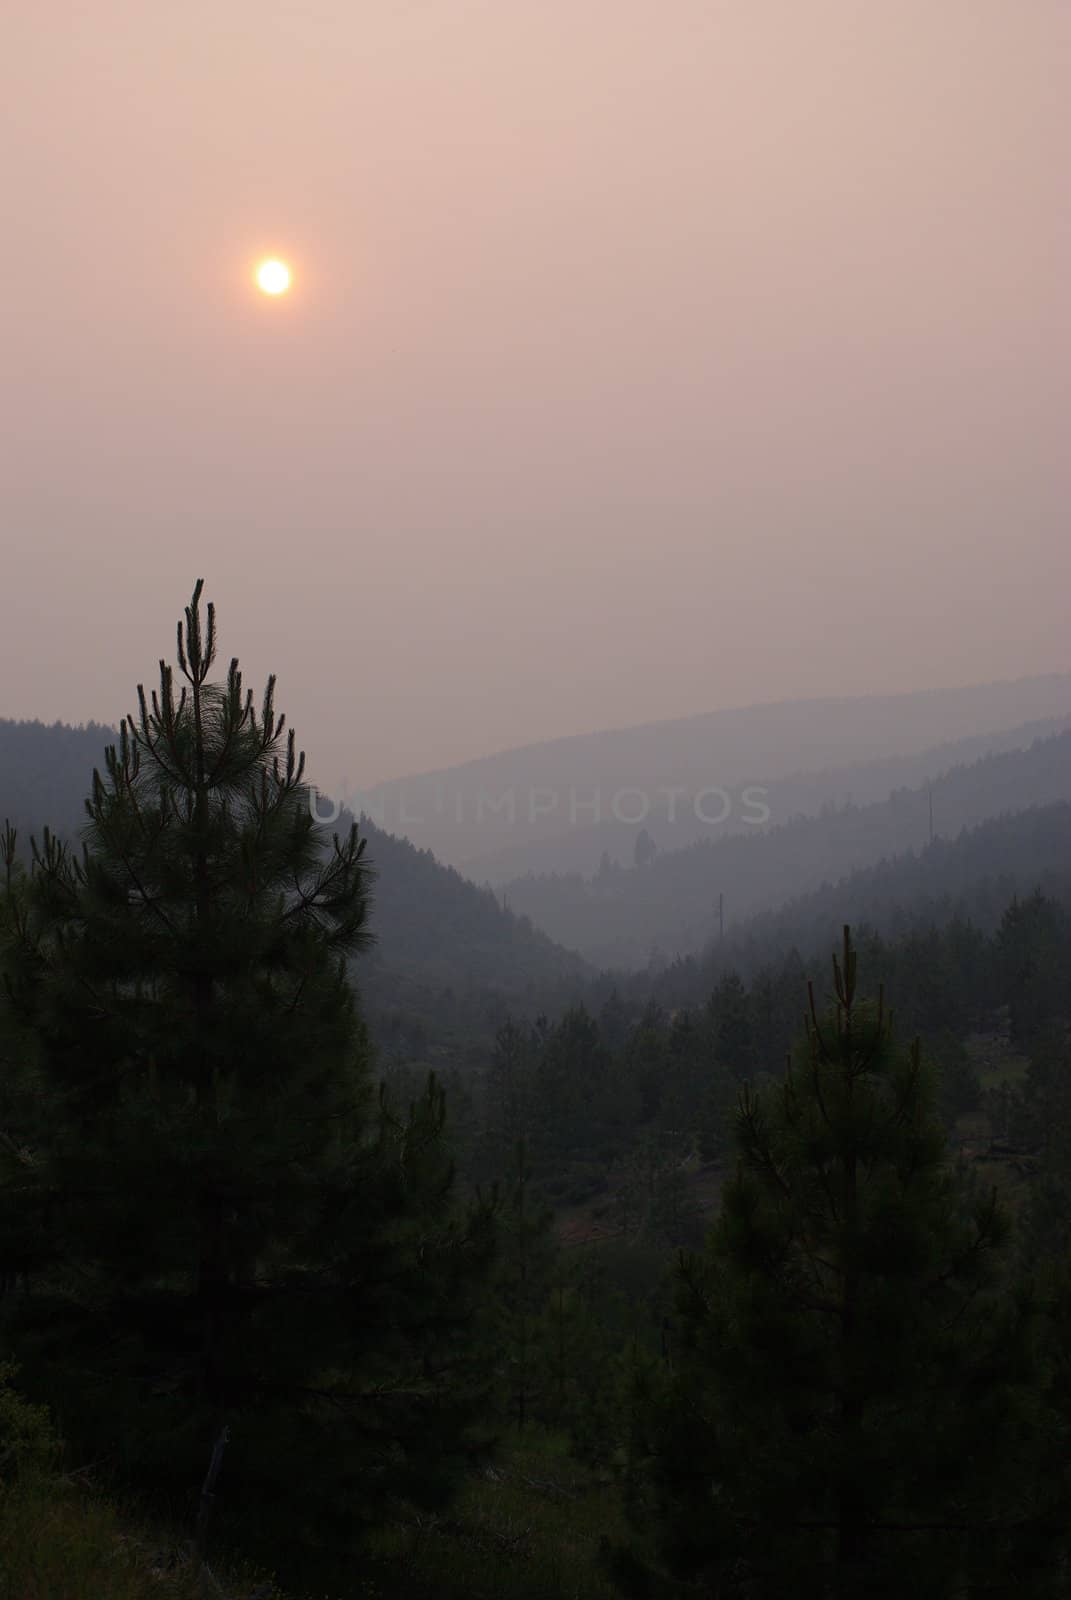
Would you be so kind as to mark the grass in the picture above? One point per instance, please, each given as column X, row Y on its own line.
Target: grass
column 61, row 1539
column 528, row 1527
column 61, row 1543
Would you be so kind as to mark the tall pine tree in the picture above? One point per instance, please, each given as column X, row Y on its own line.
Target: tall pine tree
column 239, row 1233
column 851, row 1408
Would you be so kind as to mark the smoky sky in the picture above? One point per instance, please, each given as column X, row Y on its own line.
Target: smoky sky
column 643, row 356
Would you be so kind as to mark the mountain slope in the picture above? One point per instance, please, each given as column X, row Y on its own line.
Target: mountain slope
column 799, row 794
column 536, row 792
column 973, row 877
column 46, row 770
column 616, row 918
column 434, row 929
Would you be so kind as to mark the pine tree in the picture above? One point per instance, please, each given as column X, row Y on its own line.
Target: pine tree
column 730, row 1016
column 852, row 1410
column 1043, row 1126
column 644, row 850
column 644, row 1062
column 523, row 1282
column 239, row 1233
column 1031, row 967
column 574, row 1102
column 22, row 1242
column 507, row 1092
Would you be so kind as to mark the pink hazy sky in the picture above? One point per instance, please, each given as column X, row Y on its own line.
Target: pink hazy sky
column 642, row 357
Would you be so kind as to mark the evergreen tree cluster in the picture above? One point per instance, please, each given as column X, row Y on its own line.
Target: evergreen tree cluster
column 212, row 1224
column 857, row 1405
column 787, row 1270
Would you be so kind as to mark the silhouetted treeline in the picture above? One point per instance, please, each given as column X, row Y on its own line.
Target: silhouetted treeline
column 772, row 1259
column 45, row 770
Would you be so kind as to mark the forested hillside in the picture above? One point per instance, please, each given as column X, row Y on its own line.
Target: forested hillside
column 509, row 801
column 974, row 875
column 436, row 927
column 580, row 848
column 535, row 1049
column 461, row 1334
column 972, row 878
column 45, row 770
column 436, row 933
column 449, row 961
column 670, row 905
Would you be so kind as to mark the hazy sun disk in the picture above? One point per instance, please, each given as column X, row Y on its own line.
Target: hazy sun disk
column 273, row 277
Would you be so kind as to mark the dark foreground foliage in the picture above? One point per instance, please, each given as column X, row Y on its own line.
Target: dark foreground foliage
column 681, row 1323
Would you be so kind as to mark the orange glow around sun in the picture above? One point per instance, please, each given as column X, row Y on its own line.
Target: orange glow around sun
column 273, row 277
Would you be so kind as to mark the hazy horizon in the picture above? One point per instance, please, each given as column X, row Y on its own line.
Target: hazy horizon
column 632, row 369
column 999, row 724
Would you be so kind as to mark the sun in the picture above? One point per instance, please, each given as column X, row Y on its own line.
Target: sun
column 273, row 277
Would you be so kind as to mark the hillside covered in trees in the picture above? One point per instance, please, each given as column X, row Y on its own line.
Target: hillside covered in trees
column 543, row 798
column 753, row 807
column 390, row 1312
column 535, row 1057
column 45, row 771
column 671, row 904
column 436, row 933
